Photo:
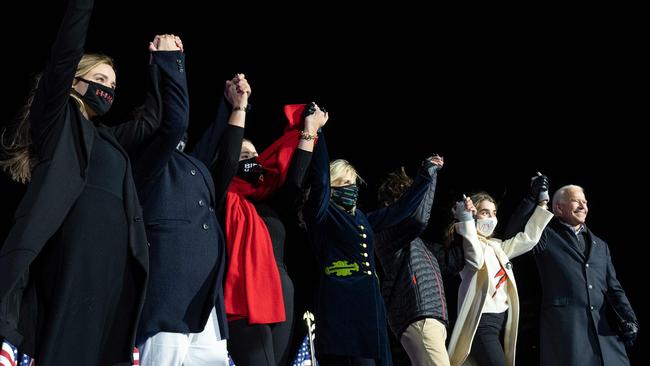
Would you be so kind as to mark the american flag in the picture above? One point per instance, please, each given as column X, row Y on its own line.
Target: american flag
column 9, row 356
column 136, row 356
column 303, row 357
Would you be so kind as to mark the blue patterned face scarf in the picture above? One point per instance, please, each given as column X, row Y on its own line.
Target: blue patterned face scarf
column 346, row 196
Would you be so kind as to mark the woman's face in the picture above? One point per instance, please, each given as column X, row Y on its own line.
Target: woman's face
column 247, row 150
column 344, row 180
column 102, row 74
column 485, row 210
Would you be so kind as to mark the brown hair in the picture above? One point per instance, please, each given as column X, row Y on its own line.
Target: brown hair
column 393, row 186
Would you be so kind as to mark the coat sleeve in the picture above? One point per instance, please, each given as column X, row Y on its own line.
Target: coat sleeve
column 525, row 241
column 409, row 204
column 517, row 221
column 400, row 234
column 207, row 149
column 318, row 180
column 53, row 93
column 155, row 153
column 473, row 250
column 166, row 110
column 47, row 114
column 288, row 200
column 616, row 295
column 225, row 167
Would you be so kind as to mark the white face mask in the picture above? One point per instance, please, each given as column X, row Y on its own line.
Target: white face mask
column 486, row 227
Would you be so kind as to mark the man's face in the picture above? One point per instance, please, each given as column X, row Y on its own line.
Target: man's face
column 572, row 208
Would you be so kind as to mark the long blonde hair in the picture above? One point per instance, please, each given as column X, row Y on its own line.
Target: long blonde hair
column 17, row 157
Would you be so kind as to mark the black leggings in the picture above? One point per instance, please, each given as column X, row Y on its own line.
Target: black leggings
column 263, row 344
column 335, row 360
column 487, row 348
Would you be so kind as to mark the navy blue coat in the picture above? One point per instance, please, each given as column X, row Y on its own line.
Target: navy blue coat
column 350, row 315
column 573, row 316
column 187, row 250
column 573, row 300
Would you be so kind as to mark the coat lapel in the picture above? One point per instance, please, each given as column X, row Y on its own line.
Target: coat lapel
column 569, row 239
column 590, row 242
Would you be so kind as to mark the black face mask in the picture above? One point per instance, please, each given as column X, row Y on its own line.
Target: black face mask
column 98, row 97
column 345, row 196
column 250, row 170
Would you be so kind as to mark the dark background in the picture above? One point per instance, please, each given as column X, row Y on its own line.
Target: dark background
column 500, row 96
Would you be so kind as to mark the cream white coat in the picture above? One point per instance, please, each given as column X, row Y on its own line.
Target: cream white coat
column 476, row 283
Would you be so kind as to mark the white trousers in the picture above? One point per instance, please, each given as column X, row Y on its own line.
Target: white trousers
column 186, row 349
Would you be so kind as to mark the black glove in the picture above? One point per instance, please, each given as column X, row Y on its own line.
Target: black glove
column 310, row 109
column 539, row 188
column 628, row 332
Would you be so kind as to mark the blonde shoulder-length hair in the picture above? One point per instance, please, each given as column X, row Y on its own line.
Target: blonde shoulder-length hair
column 340, row 168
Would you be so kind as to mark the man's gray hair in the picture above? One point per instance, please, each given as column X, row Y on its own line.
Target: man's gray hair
column 561, row 193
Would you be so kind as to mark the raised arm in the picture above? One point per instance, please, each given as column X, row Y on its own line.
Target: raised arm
column 156, row 152
column 522, row 236
column 410, row 202
column 290, row 194
column 231, row 112
column 399, row 235
column 318, row 180
column 473, row 250
column 53, row 92
column 538, row 194
column 525, row 241
column 174, row 106
column 228, row 147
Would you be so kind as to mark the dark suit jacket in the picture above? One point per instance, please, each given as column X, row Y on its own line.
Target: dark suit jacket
column 63, row 139
column 187, row 250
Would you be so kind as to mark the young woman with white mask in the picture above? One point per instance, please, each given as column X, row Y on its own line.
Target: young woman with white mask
column 488, row 314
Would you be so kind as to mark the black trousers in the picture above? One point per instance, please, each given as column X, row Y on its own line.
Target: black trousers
column 487, row 346
column 264, row 344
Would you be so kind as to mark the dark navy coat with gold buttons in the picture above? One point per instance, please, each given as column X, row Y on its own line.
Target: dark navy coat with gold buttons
column 350, row 318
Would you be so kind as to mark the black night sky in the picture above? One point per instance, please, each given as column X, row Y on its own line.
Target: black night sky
column 500, row 97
